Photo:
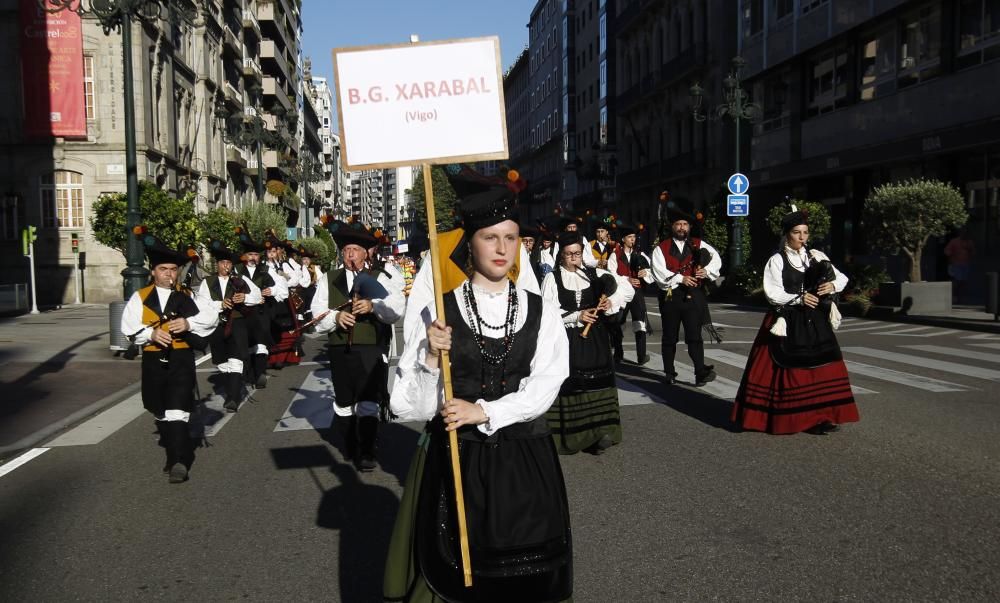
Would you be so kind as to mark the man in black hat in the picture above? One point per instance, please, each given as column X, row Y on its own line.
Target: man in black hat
column 679, row 265
column 232, row 298
column 359, row 325
column 158, row 318
column 602, row 247
column 629, row 262
column 570, row 223
column 273, row 291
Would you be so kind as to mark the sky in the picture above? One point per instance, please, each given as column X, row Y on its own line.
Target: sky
column 329, row 24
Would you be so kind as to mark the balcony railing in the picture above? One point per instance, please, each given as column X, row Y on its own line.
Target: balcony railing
column 271, row 88
column 250, row 22
column 271, row 54
column 251, row 69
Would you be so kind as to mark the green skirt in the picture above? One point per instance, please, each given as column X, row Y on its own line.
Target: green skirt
column 579, row 421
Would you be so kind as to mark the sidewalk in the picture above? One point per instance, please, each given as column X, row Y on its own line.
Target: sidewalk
column 971, row 318
column 57, row 369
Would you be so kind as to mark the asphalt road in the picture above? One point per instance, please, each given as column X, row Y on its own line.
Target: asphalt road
column 901, row 506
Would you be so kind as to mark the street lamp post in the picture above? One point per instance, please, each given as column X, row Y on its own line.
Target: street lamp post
column 243, row 130
column 118, row 15
column 306, row 169
column 737, row 106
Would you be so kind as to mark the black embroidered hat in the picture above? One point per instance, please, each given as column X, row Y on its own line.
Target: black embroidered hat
column 350, row 233
column 220, row 252
column 527, row 230
column 305, row 253
column 623, row 230
column 157, row 251
column 796, row 217
column 247, row 242
column 569, row 238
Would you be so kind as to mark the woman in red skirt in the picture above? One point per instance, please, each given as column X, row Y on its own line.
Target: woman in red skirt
column 795, row 379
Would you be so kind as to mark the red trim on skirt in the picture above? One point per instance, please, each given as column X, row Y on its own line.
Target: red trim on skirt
column 790, row 400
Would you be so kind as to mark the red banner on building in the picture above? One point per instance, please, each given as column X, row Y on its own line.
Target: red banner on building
column 52, row 73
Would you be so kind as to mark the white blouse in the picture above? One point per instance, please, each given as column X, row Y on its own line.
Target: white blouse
column 201, row 324
column 387, row 310
column 280, row 289
column 418, row 393
column 774, row 286
column 613, row 264
column 577, row 281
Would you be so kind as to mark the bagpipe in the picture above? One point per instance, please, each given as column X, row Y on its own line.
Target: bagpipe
column 367, row 287
column 239, row 286
column 816, row 274
column 698, row 260
column 605, row 285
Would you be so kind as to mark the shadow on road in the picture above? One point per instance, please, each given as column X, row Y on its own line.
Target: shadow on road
column 682, row 397
column 362, row 513
column 20, row 392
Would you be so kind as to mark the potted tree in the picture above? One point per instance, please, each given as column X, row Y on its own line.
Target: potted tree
column 901, row 217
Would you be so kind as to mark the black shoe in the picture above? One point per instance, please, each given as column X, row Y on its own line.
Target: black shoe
column 671, row 378
column 644, row 360
column 166, row 468
column 367, row 463
column 261, row 381
column 178, row 474
column 619, row 358
column 605, row 442
column 823, row 428
column 231, row 405
column 278, row 365
column 706, row 375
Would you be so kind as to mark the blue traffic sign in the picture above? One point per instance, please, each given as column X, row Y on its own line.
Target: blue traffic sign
column 738, row 206
column 738, row 184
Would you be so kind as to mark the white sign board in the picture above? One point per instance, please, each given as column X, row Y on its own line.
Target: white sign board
column 427, row 102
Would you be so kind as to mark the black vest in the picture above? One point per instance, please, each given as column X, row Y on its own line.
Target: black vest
column 567, row 297
column 472, row 377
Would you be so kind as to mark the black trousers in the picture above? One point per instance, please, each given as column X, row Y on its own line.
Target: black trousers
column 236, row 345
column 168, row 379
column 636, row 310
column 677, row 311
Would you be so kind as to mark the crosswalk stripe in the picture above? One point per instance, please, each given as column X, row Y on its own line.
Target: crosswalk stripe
column 976, row 355
column 895, row 331
column 987, row 336
column 722, row 388
column 992, row 346
column 740, row 362
column 209, row 419
column 312, row 405
column 855, row 330
column 630, row 394
column 908, row 379
column 104, row 424
column 930, row 363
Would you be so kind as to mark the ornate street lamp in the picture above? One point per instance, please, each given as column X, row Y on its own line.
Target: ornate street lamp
column 243, row 130
column 118, row 15
column 305, row 169
column 737, row 106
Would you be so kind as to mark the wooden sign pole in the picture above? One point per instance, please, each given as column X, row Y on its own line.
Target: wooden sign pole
column 445, row 364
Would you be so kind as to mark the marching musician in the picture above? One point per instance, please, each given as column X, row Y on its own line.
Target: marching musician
column 629, row 262
column 158, row 318
column 602, row 247
column 273, row 292
column 230, row 296
column 679, row 265
column 359, row 330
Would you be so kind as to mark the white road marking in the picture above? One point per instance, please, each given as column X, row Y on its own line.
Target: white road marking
column 312, row 405
column 910, row 380
column 913, row 332
column 976, row 355
column 21, row 460
column 992, row 346
column 987, row 336
column 929, row 363
column 104, row 424
column 740, row 362
column 854, row 330
column 630, row 394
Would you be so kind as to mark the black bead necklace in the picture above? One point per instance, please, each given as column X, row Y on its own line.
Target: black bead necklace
column 478, row 324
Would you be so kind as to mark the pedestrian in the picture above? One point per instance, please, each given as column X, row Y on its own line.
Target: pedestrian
column 630, row 263
column 960, row 251
column 158, row 318
column 363, row 306
column 586, row 415
column 273, row 292
column 795, row 379
column 680, row 263
column 509, row 356
column 232, row 298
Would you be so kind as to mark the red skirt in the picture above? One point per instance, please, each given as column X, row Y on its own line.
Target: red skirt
column 782, row 400
column 286, row 349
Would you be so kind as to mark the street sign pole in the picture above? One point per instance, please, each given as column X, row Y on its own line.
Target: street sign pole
column 31, row 264
column 75, row 241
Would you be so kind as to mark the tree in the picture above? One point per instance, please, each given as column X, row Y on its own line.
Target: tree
column 444, row 199
column 170, row 219
column 261, row 217
column 324, row 235
column 819, row 218
column 220, row 224
column 903, row 216
column 713, row 230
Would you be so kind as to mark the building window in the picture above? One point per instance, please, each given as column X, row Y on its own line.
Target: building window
column 878, row 65
column 753, row 17
column 979, row 32
column 809, row 6
column 920, row 51
column 782, row 8
column 604, row 79
column 828, row 83
column 772, row 94
column 604, row 125
column 604, row 33
column 62, row 200
column 88, row 86
column 8, row 218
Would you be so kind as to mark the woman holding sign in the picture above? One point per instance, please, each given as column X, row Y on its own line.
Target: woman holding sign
column 509, row 357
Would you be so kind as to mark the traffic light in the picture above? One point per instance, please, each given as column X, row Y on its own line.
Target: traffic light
column 32, row 234
column 28, row 236
column 75, row 241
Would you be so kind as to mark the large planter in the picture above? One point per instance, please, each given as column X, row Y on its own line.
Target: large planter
column 925, row 297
